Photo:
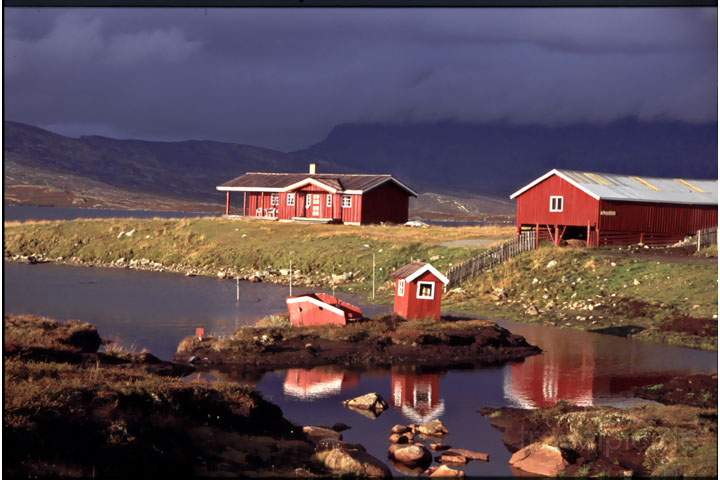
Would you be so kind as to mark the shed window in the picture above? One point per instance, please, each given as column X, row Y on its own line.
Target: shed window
column 426, row 290
column 291, row 199
column 328, row 200
column 308, row 200
column 346, row 201
column 275, row 199
column 401, row 287
column 556, row 203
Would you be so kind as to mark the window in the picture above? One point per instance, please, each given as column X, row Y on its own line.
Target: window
column 556, row 203
column 308, row 200
column 328, row 200
column 346, row 201
column 275, row 199
column 401, row 288
column 426, row 290
column 291, row 199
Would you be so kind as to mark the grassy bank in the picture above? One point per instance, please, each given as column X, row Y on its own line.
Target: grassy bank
column 247, row 248
column 666, row 299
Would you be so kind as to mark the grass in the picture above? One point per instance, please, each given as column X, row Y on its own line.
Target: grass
column 244, row 247
column 671, row 301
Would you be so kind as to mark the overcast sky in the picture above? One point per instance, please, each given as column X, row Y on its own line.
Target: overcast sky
column 283, row 78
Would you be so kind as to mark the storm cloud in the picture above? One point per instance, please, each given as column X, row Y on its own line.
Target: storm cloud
column 282, row 78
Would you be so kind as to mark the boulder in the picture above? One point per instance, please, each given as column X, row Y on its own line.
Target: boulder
column 452, row 457
column 551, row 264
column 470, row 454
column 400, row 429
column 410, row 455
column 540, row 459
column 345, row 459
column 445, row 471
column 315, row 434
column 339, row 427
column 434, row 428
column 438, row 447
column 401, row 438
column 369, row 401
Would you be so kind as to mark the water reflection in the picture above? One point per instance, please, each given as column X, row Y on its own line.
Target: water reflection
column 314, row 383
column 417, row 395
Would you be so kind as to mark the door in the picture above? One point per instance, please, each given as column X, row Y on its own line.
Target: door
column 315, row 212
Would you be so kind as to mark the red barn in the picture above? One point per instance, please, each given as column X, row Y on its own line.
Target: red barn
column 353, row 199
column 418, row 291
column 607, row 209
column 320, row 309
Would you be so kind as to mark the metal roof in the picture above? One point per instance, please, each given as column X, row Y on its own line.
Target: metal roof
column 632, row 188
column 343, row 182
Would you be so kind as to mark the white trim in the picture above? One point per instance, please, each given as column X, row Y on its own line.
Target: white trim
column 549, row 174
column 357, row 224
column 391, row 179
column 317, row 302
column 401, row 287
column 311, row 181
column 425, row 297
column 561, row 203
column 352, row 192
column 328, row 200
column 427, row 268
column 342, row 202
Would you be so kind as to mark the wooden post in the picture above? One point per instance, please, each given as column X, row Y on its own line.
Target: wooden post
column 244, row 204
column 262, row 204
column 237, row 289
column 642, row 238
column 587, row 236
column 698, row 240
column 537, row 235
column 227, row 203
column 373, row 278
column 291, row 272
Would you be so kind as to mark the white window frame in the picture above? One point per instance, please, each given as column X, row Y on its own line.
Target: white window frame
column 426, row 297
column 328, row 200
column 274, row 199
column 308, row 200
column 557, row 203
column 401, row 287
column 347, row 201
column 290, row 200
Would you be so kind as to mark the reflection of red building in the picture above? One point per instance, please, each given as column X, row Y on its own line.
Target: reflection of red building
column 564, row 372
column 317, row 382
column 418, row 395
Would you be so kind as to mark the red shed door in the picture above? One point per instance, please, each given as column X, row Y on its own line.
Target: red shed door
column 315, row 206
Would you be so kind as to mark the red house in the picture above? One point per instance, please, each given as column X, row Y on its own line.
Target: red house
column 418, row 291
column 353, row 199
column 608, row 209
column 320, row 309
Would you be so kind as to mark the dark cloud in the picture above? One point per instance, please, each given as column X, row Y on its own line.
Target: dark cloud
column 284, row 78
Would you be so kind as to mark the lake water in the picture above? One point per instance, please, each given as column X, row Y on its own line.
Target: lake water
column 29, row 212
column 155, row 310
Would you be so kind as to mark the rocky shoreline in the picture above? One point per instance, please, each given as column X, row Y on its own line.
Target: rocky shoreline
column 451, row 343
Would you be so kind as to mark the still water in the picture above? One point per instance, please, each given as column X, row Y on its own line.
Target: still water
column 29, row 212
column 155, row 310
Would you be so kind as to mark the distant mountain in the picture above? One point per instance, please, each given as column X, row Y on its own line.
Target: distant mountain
column 495, row 159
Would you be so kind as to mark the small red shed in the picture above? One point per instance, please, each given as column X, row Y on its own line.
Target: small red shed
column 418, row 291
column 321, row 309
column 609, row 209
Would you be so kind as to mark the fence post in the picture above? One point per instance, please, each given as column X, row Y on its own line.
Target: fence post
column 699, row 232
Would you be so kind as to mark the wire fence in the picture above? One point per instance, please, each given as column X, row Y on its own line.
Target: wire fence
column 490, row 258
column 707, row 237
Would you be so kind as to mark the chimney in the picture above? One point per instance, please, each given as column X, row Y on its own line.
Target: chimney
column 312, row 168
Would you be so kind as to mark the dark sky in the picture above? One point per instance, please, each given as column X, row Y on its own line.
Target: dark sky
column 283, row 78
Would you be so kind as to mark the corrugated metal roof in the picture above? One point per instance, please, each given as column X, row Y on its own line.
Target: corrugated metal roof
column 337, row 181
column 407, row 270
column 633, row 188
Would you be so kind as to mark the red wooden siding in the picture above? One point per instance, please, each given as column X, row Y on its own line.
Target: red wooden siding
column 657, row 217
column 386, row 203
column 412, row 308
column 533, row 205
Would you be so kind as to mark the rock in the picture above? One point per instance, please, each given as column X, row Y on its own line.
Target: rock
column 340, row 427
column 636, row 281
column 439, row 446
column 551, row 264
column 540, row 459
column 349, row 460
column 401, row 438
column 315, row 434
column 120, row 235
column 370, row 401
column 284, row 272
column 532, row 310
column 452, row 457
column 130, row 233
column 434, row 429
column 470, row 454
column 445, row 471
column 221, row 275
column 410, row 455
column 400, row 429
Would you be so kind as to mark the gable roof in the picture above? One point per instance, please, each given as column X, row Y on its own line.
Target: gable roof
column 333, row 182
column 413, row 270
column 629, row 188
